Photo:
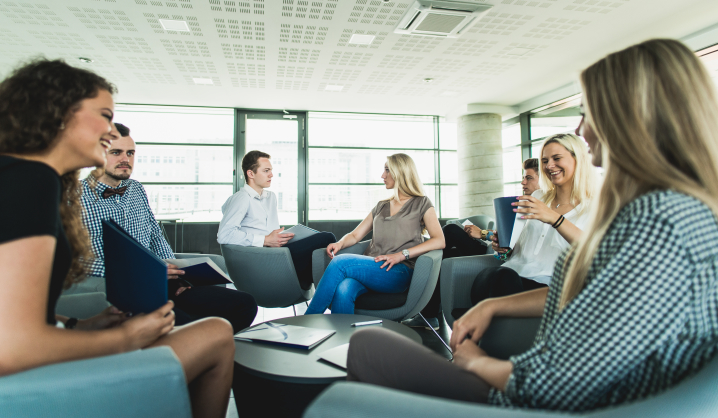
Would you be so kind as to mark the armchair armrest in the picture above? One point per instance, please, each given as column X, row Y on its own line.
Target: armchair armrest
column 146, row 383
column 362, row 400
column 320, row 259
column 457, row 276
column 82, row 305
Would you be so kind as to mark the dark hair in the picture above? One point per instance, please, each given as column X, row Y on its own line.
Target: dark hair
column 529, row 163
column 36, row 101
column 122, row 129
column 251, row 162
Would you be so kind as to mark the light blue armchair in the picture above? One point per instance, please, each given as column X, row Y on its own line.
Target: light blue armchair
column 696, row 397
column 148, row 383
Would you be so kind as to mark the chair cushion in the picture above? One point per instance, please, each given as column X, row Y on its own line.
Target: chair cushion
column 380, row 301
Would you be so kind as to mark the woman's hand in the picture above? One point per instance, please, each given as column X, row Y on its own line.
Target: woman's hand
column 108, row 318
column 471, row 325
column 535, row 209
column 467, row 353
column 144, row 329
column 390, row 260
column 495, row 243
column 334, row 248
column 473, row 231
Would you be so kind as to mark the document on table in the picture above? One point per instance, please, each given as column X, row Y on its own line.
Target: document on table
column 336, row 355
column 283, row 334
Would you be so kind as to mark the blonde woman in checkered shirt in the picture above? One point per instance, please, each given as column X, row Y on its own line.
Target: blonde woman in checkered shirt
column 626, row 316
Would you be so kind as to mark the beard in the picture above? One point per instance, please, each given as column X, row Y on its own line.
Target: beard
column 119, row 176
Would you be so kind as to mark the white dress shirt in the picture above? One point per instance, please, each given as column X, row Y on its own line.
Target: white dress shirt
column 539, row 245
column 248, row 218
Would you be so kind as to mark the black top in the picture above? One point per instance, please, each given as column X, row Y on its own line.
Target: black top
column 30, row 192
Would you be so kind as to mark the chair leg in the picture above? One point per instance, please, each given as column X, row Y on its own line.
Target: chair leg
column 295, row 310
column 437, row 336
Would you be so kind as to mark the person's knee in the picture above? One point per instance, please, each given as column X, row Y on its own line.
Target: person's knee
column 345, row 290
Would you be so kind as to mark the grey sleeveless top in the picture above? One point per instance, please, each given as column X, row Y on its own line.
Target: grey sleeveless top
column 401, row 231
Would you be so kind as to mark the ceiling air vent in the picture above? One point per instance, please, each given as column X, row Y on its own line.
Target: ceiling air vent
column 448, row 19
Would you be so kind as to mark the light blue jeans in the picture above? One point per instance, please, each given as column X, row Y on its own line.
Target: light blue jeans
column 350, row 275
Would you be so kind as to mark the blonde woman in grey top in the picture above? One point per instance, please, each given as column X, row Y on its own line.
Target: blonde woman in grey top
column 388, row 263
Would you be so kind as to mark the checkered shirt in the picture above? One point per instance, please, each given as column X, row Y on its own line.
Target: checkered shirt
column 646, row 320
column 131, row 211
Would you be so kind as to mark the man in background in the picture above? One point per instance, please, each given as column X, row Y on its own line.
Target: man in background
column 251, row 218
column 111, row 194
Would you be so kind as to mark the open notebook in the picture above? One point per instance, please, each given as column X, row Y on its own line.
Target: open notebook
column 289, row 335
column 200, row 271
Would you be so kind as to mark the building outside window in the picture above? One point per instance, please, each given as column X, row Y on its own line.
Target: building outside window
column 346, row 159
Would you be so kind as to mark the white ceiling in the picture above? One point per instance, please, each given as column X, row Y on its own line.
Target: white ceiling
column 282, row 53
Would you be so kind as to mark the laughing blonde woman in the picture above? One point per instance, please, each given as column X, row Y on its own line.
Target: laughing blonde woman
column 626, row 316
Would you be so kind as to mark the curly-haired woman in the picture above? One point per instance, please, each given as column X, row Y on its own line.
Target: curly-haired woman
column 54, row 120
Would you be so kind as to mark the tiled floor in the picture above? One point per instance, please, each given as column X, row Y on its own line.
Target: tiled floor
column 428, row 338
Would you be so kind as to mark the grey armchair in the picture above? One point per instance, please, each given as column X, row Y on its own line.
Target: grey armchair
column 694, row 397
column 148, row 383
column 384, row 305
column 457, row 276
column 266, row 273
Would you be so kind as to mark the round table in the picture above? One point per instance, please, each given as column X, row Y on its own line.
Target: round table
column 296, row 365
column 282, row 381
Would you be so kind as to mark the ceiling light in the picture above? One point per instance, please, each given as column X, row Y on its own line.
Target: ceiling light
column 333, row 87
column 449, row 94
column 86, row 60
column 176, row 25
column 428, row 80
column 203, row 81
column 519, row 52
column 361, row 39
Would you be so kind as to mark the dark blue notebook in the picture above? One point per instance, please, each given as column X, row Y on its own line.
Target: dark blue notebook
column 505, row 217
column 136, row 278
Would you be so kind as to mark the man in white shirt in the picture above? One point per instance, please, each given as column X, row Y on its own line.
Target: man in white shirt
column 250, row 218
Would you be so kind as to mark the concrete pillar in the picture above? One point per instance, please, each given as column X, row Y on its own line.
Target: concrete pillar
column 481, row 167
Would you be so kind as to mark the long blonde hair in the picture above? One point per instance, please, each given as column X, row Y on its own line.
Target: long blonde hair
column 405, row 175
column 584, row 176
column 654, row 113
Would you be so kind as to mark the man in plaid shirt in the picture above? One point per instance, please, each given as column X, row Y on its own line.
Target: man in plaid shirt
column 115, row 196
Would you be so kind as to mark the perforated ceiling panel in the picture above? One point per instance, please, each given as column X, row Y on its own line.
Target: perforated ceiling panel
column 284, row 53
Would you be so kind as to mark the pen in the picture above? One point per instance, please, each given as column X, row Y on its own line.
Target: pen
column 361, row 324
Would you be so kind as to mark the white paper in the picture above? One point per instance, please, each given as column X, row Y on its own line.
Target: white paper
column 519, row 225
column 189, row 262
column 467, row 222
column 300, row 232
column 336, row 355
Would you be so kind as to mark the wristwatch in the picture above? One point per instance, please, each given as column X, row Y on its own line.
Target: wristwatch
column 406, row 253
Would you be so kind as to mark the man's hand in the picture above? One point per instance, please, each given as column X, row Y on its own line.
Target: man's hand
column 473, row 231
column 173, row 273
column 390, row 260
column 277, row 239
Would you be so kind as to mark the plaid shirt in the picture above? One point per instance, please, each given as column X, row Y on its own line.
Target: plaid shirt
column 646, row 319
column 131, row 211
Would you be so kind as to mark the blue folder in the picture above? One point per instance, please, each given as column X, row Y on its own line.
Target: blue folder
column 136, row 278
column 505, row 217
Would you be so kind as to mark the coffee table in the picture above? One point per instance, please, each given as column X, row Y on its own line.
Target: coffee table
column 282, row 381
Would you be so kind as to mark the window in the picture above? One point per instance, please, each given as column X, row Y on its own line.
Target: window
column 198, row 143
column 346, row 159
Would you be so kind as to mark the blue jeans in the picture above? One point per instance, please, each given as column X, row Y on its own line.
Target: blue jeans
column 350, row 275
